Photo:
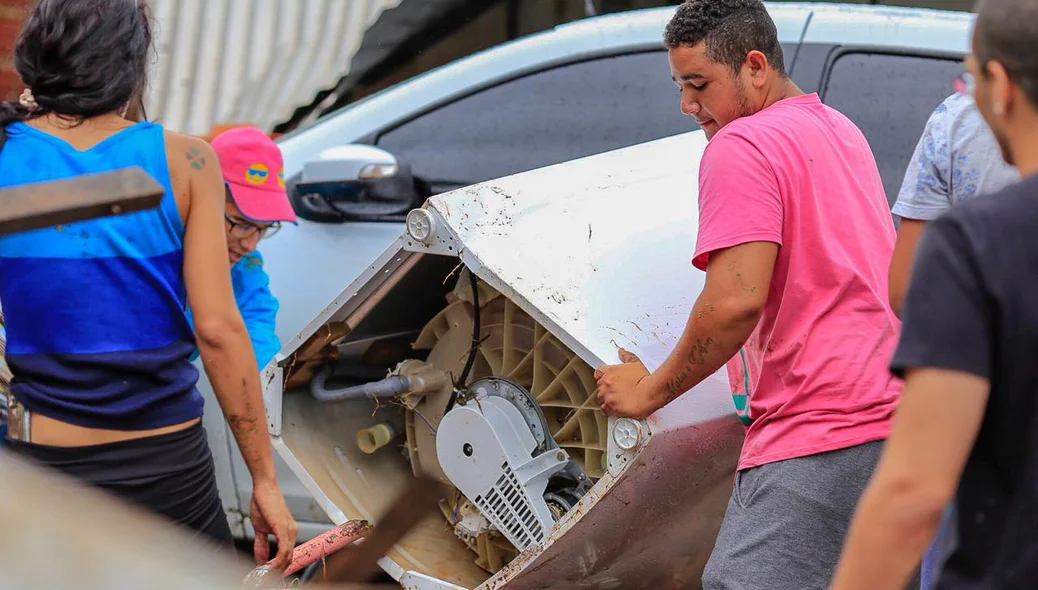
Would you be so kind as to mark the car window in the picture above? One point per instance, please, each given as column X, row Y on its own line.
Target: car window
column 544, row 118
column 890, row 97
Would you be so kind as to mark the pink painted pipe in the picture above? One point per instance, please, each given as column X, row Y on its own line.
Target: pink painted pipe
column 310, row 552
column 326, row 544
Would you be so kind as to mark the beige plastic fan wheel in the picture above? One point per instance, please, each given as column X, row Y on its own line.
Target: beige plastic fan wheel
column 514, row 346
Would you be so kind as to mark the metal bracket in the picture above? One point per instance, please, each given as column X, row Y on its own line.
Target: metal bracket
column 273, row 381
column 536, row 472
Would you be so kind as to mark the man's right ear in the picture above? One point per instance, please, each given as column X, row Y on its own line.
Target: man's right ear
column 1001, row 87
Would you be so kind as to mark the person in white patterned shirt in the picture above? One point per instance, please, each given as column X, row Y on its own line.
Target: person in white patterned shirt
column 957, row 159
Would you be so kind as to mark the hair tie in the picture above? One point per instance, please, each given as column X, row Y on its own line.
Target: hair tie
column 27, row 100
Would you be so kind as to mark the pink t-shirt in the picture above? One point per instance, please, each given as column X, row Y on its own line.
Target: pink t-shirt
column 800, row 174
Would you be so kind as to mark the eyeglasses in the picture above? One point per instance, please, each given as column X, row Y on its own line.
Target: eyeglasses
column 244, row 229
column 966, row 84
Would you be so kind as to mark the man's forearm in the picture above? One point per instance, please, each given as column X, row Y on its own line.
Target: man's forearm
column 888, row 536
column 241, row 400
column 714, row 333
column 908, row 235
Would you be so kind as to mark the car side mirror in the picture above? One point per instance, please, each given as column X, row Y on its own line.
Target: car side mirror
column 354, row 183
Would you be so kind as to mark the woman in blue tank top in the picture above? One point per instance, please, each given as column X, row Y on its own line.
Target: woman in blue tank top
column 97, row 336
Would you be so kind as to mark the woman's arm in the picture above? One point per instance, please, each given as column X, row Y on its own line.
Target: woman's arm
column 223, row 341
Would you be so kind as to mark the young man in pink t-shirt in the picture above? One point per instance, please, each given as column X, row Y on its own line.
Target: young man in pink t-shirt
column 795, row 236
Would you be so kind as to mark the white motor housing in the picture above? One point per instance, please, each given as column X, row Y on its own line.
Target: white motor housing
column 486, row 449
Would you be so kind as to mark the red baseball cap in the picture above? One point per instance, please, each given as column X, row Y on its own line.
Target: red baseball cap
column 255, row 172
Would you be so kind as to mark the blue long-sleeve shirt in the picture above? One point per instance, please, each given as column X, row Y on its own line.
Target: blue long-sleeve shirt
column 257, row 305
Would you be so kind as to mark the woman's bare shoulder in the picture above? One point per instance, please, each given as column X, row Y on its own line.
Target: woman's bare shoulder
column 188, row 151
column 188, row 157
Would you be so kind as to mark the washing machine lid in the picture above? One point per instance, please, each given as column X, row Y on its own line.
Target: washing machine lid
column 598, row 249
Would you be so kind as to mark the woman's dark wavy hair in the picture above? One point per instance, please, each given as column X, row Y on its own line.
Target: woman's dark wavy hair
column 82, row 58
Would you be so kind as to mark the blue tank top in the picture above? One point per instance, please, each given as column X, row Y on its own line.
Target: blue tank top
column 97, row 333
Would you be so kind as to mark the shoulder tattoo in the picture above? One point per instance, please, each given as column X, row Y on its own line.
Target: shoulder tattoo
column 196, row 159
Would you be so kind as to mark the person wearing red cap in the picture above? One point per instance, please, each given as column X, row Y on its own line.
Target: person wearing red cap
column 257, row 204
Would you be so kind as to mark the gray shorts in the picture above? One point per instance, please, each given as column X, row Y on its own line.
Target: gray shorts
column 786, row 521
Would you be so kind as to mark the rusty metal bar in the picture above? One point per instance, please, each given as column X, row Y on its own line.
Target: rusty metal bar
column 43, row 204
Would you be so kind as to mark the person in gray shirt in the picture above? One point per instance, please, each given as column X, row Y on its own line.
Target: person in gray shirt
column 957, row 159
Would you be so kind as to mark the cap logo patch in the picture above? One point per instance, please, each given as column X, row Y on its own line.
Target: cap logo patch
column 281, row 178
column 256, row 174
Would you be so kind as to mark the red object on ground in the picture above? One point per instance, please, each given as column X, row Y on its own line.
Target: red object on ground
column 326, row 544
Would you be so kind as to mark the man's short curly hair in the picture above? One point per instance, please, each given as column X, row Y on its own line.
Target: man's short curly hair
column 730, row 29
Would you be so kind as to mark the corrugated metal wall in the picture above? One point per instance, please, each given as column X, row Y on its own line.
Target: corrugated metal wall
column 250, row 61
